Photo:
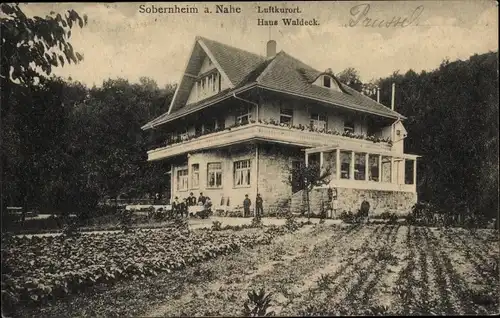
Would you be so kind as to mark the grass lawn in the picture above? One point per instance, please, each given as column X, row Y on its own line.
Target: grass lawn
column 324, row 269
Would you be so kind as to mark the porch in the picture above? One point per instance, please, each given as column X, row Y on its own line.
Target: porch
column 264, row 132
column 355, row 167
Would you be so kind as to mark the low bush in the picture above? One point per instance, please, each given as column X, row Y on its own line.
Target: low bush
column 348, row 217
column 258, row 304
column 291, row 224
column 126, row 220
column 216, row 226
column 256, row 222
column 71, row 229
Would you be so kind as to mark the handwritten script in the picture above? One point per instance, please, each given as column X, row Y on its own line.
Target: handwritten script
column 360, row 17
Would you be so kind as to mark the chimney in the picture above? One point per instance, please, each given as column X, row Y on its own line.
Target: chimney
column 271, row 48
column 393, row 95
column 378, row 94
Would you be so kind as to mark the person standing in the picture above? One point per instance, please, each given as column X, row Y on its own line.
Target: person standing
column 246, row 206
column 259, row 210
column 191, row 201
column 201, row 199
column 208, row 206
column 183, row 207
column 175, row 206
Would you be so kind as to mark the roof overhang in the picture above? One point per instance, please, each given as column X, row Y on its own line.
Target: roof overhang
column 361, row 150
column 400, row 117
column 229, row 94
column 181, row 114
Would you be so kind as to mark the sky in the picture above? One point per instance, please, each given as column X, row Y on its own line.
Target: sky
column 120, row 41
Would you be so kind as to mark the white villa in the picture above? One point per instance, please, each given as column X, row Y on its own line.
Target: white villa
column 238, row 121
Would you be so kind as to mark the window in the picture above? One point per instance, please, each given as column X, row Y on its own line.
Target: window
column 386, row 169
column 374, row 167
column 213, row 123
column 184, row 134
column 345, row 164
column 330, row 162
column 371, row 130
column 182, row 180
column 198, row 129
column 243, row 117
column 195, row 176
column 209, row 62
column 359, row 166
column 210, row 125
column 220, row 86
column 318, row 121
column 220, row 123
column 214, row 175
column 214, row 82
column 349, row 125
column 286, row 116
column 242, row 173
column 409, row 172
column 327, row 81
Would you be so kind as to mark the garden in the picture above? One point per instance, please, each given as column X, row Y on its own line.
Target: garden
column 299, row 268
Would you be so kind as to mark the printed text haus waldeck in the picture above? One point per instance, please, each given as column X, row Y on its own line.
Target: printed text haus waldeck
column 238, row 121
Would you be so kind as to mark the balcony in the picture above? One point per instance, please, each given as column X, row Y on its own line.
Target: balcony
column 263, row 132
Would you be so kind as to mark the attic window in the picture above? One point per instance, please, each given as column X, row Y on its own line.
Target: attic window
column 327, row 81
column 209, row 62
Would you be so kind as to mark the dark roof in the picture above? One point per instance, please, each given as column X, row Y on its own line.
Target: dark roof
column 282, row 73
column 236, row 63
column 288, row 74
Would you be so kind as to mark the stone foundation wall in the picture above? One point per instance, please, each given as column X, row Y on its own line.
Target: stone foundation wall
column 380, row 201
column 274, row 173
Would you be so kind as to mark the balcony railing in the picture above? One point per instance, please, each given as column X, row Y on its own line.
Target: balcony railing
column 265, row 132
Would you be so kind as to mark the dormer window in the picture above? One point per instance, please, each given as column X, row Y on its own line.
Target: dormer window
column 327, row 81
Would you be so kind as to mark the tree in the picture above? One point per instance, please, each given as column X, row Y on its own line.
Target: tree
column 30, row 48
column 310, row 176
column 453, row 123
column 33, row 44
column 350, row 77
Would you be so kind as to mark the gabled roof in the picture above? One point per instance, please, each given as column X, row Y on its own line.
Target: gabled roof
column 282, row 73
column 236, row 63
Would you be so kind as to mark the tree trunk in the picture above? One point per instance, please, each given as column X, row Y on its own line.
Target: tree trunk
column 308, row 205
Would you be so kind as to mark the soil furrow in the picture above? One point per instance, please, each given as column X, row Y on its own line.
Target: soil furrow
column 341, row 278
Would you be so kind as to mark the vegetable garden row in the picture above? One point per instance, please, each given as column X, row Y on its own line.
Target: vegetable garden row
column 42, row 269
column 347, row 269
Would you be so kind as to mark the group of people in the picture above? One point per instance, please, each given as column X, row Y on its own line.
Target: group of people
column 259, row 210
column 182, row 208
